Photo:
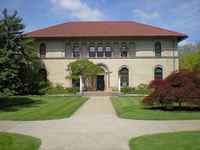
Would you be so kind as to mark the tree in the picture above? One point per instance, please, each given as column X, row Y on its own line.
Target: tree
column 85, row 68
column 178, row 88
column 18, row 59
column 190, row 57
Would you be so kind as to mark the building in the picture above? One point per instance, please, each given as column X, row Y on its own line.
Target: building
column 130, row 53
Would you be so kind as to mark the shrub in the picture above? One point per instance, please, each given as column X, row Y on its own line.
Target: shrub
column 72, row 90
column 59, row 89
column 142, row 89
column 128, row 90
column 114, row 89
column 178, row 88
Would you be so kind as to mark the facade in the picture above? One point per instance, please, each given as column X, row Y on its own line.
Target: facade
column 130, row 53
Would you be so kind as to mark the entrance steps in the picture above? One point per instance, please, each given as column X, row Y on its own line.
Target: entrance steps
column 100, row 93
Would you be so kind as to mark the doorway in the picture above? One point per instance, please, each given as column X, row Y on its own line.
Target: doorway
column 100, row 83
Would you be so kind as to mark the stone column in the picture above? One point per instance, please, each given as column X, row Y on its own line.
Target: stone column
column 107, row 80
column 81, row 84
column 119, row 84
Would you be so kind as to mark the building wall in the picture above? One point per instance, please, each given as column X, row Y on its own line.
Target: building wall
column 62, row 48
column 141, row 61
column 140, row 70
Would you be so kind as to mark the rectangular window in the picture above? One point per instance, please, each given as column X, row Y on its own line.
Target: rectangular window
column 108, row 52
column 92, row 52
column 124, row 51
column 100, row 52
column 76, row 52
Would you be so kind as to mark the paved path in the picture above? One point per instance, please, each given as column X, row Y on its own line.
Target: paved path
column 93, row 127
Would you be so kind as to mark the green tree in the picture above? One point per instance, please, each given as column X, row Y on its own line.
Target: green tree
column 18, row 60
column 190, row 60
column 87, row 69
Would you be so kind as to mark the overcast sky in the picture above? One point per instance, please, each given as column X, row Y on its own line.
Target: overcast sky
column 178, row 15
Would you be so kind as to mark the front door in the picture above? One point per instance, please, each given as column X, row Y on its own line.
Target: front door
column 100, row 83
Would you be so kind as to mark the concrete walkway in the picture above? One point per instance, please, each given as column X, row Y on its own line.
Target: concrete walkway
column 93, row 127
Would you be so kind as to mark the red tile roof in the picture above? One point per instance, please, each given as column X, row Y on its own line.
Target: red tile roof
column 104, row 29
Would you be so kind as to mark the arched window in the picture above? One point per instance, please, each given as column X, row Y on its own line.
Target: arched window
column 76, row 50
column 108, row 50
column 43, row 74
column 100, row 50
column 158, row 49
column 42, row 50
column 124, row 77
column 92, row 51
column 158, row 73
column 124, row 50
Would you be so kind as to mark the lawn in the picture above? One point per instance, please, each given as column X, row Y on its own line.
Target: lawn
column 132, row 108
column 167, row 141
column 10, row 141
column 39, row 107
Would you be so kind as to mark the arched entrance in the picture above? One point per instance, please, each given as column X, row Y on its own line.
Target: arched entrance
column 102, row 80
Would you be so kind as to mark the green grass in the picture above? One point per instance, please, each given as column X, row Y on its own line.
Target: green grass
column 132, row 108
column 39, row 108
column 10, row 141
column 167, row 141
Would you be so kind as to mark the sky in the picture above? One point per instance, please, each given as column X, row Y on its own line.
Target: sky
column 178, row 15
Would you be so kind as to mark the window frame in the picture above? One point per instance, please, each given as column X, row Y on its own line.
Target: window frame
column 92, row 54
column 124, row 50
column 158, row 49
column 76, row 53
column 108, row 53
column 158, row 75
column 43, row 50
column 124, row 78
column 100, row 53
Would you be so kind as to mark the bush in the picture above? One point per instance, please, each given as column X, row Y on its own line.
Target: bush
column 114, row 89
column 128, row 90
column 181, row 87
column 140, row 89
column 59, row 89
column 73, row 90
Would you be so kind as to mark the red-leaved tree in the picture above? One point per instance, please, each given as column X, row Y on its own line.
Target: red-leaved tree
column 178, row 88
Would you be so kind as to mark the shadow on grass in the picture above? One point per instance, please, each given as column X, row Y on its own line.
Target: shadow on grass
column 11, row 104
column 176, row 109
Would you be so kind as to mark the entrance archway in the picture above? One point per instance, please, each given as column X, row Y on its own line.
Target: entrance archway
column 103, row 79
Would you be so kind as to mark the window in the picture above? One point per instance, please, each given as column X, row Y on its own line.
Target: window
column 158, row 49
column 92, row 51
column 108, row 52
column 124, row 50
column 124, row 77
column 42, row 50
column 100, row 51
column 158, row 73
column 76, row 50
